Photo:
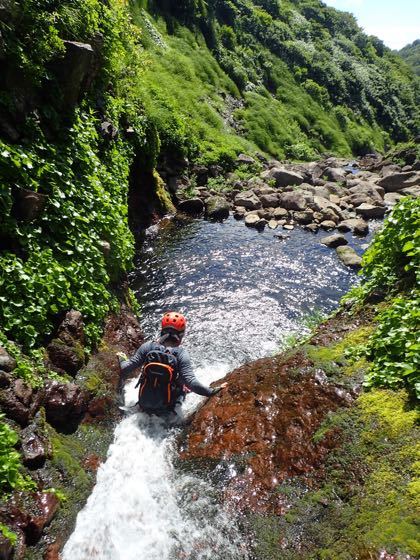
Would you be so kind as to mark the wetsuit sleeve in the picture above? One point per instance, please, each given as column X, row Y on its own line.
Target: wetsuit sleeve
column 127, row 366
column 188, row 378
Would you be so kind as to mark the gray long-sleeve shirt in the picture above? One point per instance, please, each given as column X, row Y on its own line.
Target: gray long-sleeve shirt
column 185, row 370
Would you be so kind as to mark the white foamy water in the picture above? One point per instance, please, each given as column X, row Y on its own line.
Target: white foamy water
column 142, row 508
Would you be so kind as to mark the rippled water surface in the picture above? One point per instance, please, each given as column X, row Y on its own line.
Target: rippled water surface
column 242, row 292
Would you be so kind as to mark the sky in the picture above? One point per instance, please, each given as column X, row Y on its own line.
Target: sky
column 396, row 22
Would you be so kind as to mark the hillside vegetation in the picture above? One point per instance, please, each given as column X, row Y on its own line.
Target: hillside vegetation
column 411, row 54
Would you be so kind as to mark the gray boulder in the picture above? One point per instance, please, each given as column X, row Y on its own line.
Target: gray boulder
column 217, row 208
column 304, row 217
column 7, row 363
column 248, row 199
column 292, row 201
column 327, row 224
column 349, row 257
column 392, row 198
column 335, row 174
column 371, row 211
column 334, row 241
column 74, row 71
column 355, row 225
column 245, row 159
column 239, row 212
column 269, row 200
column 399, row 181
column 283, row 177
column 192, row 206
column 280, row 213
column 253, row 220
column 412, row 191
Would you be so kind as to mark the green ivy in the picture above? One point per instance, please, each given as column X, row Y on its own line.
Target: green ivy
column 11, row 477
column 10, row 535
column 60, row 264
column 394, row 347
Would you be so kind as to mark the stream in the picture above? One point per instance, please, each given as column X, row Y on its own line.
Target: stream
column 244, row 293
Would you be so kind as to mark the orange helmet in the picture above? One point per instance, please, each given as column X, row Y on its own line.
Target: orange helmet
column 174, row 321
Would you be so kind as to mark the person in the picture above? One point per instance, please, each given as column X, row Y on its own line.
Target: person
column 166, row 369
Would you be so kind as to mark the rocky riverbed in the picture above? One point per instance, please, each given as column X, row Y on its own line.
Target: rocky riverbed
column 332, row 195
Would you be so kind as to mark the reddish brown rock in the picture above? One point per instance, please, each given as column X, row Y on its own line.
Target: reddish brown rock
column 72, row 328
column 35, row 447
column 13, row 408
column 265, row 421
column 6, row 548
column 65, row 358
column 7, row 363
column 52, row 552
column 43, row 509
column 65, row 404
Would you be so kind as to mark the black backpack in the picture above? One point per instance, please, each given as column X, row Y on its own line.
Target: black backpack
column 158, row 381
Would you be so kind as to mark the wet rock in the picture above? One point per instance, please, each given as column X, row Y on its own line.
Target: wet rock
column 52, row 552
column 328, row 224
column 248, row 200
column 23, row 391
column 217, row 208
column 328, row 214
column 292, row 201
column 273, row 224
column 349, row 257
column 283, row 177
column 192, row 207
column 7, row 363
column 65, row 358
column 35, row 447
column 71, row 329
column 355, row 225
column 42, row 512
column 371, row 211
column 412, row 191
column 334, row 241
column 269, row 200
column 65, row 405
column 399, row 181
column 289, row 227
column 304, row 217
column 13, row 408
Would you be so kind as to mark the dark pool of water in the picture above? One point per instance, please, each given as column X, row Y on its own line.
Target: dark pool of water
column 243, row 291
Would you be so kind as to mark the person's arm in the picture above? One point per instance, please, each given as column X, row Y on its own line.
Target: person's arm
column 188, row 378
column 136, row 361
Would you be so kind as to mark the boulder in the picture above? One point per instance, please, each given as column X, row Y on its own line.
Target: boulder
column 42, row 510
column 6, row 548
column 292, row 201
column 305, row 217
column 23, row 391
column 392, row 198
column 273, row 224
column 269, row 200
column 7, row 363
column 328, row 214
column 239, row 212
column 349, row 257
column 192, row 206
column 35, row 447
column 65, row 405
column 5, row 380
column 245, row 159
column 74, row 71
column 355, row 225
column 399, row 181
column 280, row 213
column 334, row 241
column 253, row 220
column 289, row 227
column 389, row 169
column 71, row 330
column 371, row 211
column 283, row 177
column 312, row 227
column 248, row 199
column 334, row 174
column 65, row 358
column 412, row 191
column 327, row 224
column 13, row 407
column 217, row 208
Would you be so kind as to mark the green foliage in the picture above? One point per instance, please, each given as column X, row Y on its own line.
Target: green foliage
column 11, row 477
column 411, row 54
column 394, row 347
column 65, row 267
column 10, row 535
